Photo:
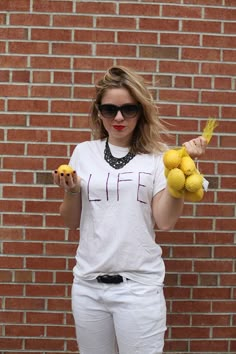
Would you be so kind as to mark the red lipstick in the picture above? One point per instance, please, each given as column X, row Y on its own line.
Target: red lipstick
column 119, row 127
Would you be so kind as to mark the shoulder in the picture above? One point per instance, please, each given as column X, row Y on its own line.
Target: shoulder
column 88, row 146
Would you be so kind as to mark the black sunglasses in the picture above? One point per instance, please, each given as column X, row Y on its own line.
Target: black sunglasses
column 128, row 110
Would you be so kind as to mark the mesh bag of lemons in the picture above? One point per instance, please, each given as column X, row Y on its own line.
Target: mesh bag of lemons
column 183, row 178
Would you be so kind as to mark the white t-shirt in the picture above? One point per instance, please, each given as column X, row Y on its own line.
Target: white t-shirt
column 117, row 228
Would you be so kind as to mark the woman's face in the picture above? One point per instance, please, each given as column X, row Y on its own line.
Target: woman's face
column 120, row 128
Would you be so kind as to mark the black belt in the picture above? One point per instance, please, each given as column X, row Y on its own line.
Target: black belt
column 110, row 279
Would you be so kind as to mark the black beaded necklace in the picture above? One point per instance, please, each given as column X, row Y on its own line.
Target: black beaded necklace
column 116, row 162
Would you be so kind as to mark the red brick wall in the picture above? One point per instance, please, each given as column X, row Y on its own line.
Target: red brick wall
column 52, row 52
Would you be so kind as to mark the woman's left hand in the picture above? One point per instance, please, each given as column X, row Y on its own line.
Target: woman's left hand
column 196, row 147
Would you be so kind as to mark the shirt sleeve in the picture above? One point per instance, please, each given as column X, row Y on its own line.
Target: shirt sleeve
column 74, row 160
column 159, row 177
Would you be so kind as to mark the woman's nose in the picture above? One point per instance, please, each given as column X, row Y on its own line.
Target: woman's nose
column 119, row 116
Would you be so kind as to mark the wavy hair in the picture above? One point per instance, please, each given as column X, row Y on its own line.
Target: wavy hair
column 147, row 134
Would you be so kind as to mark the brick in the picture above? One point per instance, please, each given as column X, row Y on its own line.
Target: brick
column 214, row 237
column 191, row 252
column 213, row 266
column 215, row 210
column 21, row 76
column 45, row 291
column 11, row 234
column 220, row 69
column 15, row 61
column 11, row 149
column 22, row 220
column 211, row 345
column 220, row 13
column 11, row 206
column 41, row 76
column 48, row 263
column 201, row 54
column 15, row 90
column 6, row 276
column 208, row 280
column 12, row 34
column 24, row 178
column 116, row 22
column 96, row 8
column 218, row 97
column 4, row 75
column 72, row 21
column 11, row 343
column 44, row 344
column 62, row 331
column 229, row 55
column 52, row 6
column 69, row 106
column 60, row 121
column 201, row 26
column 27, row 105
column 22, row 248
column 181, row 39
column 178, row 95
column 21, row 5
column 44, row 235
column 177, row 67
column 225, row 224
column 28, row 47
column 190, row 332
column 115, row 50
column 190, row 306
column 24, row 331
column 142, row 37
column 211, row 320
column 71, row 49
column 181, row 11
column 50, row 62
column 159, row 52
column 211, row 293
column 29, row 19
column 158, row 24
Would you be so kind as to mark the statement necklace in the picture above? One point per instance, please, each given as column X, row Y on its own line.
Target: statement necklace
column 116, row 162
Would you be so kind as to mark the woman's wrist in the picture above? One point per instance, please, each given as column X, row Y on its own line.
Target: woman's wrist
column 72, row 192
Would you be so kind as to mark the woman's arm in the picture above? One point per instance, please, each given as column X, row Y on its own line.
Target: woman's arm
column 70, row 208
column 167, row 209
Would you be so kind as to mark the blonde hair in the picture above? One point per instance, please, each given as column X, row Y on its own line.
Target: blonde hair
column 147, row 134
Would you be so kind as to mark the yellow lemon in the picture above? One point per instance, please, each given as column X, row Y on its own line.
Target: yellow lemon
column 194, row 182
column 187, row 165
column 176, row 179
column 176, row 194
column 65, row 169
column 194, row 196
column 166, row 172
column 172, row 159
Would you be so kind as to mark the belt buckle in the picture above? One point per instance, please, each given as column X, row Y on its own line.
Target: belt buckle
column 110, row 279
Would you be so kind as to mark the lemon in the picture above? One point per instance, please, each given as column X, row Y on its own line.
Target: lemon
column 194, row 196
column 176, row 179
column 176, row 194
column 166, row 172
column 187, row 165
column 172, row 159
column 65, row 169
column 194, row 182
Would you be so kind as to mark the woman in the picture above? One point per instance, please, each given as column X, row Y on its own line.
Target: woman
column 116, row 195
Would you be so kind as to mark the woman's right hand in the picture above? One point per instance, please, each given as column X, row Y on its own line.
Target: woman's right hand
column 70, row 182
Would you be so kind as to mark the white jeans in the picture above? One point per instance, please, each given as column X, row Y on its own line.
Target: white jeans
column 125, row 318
